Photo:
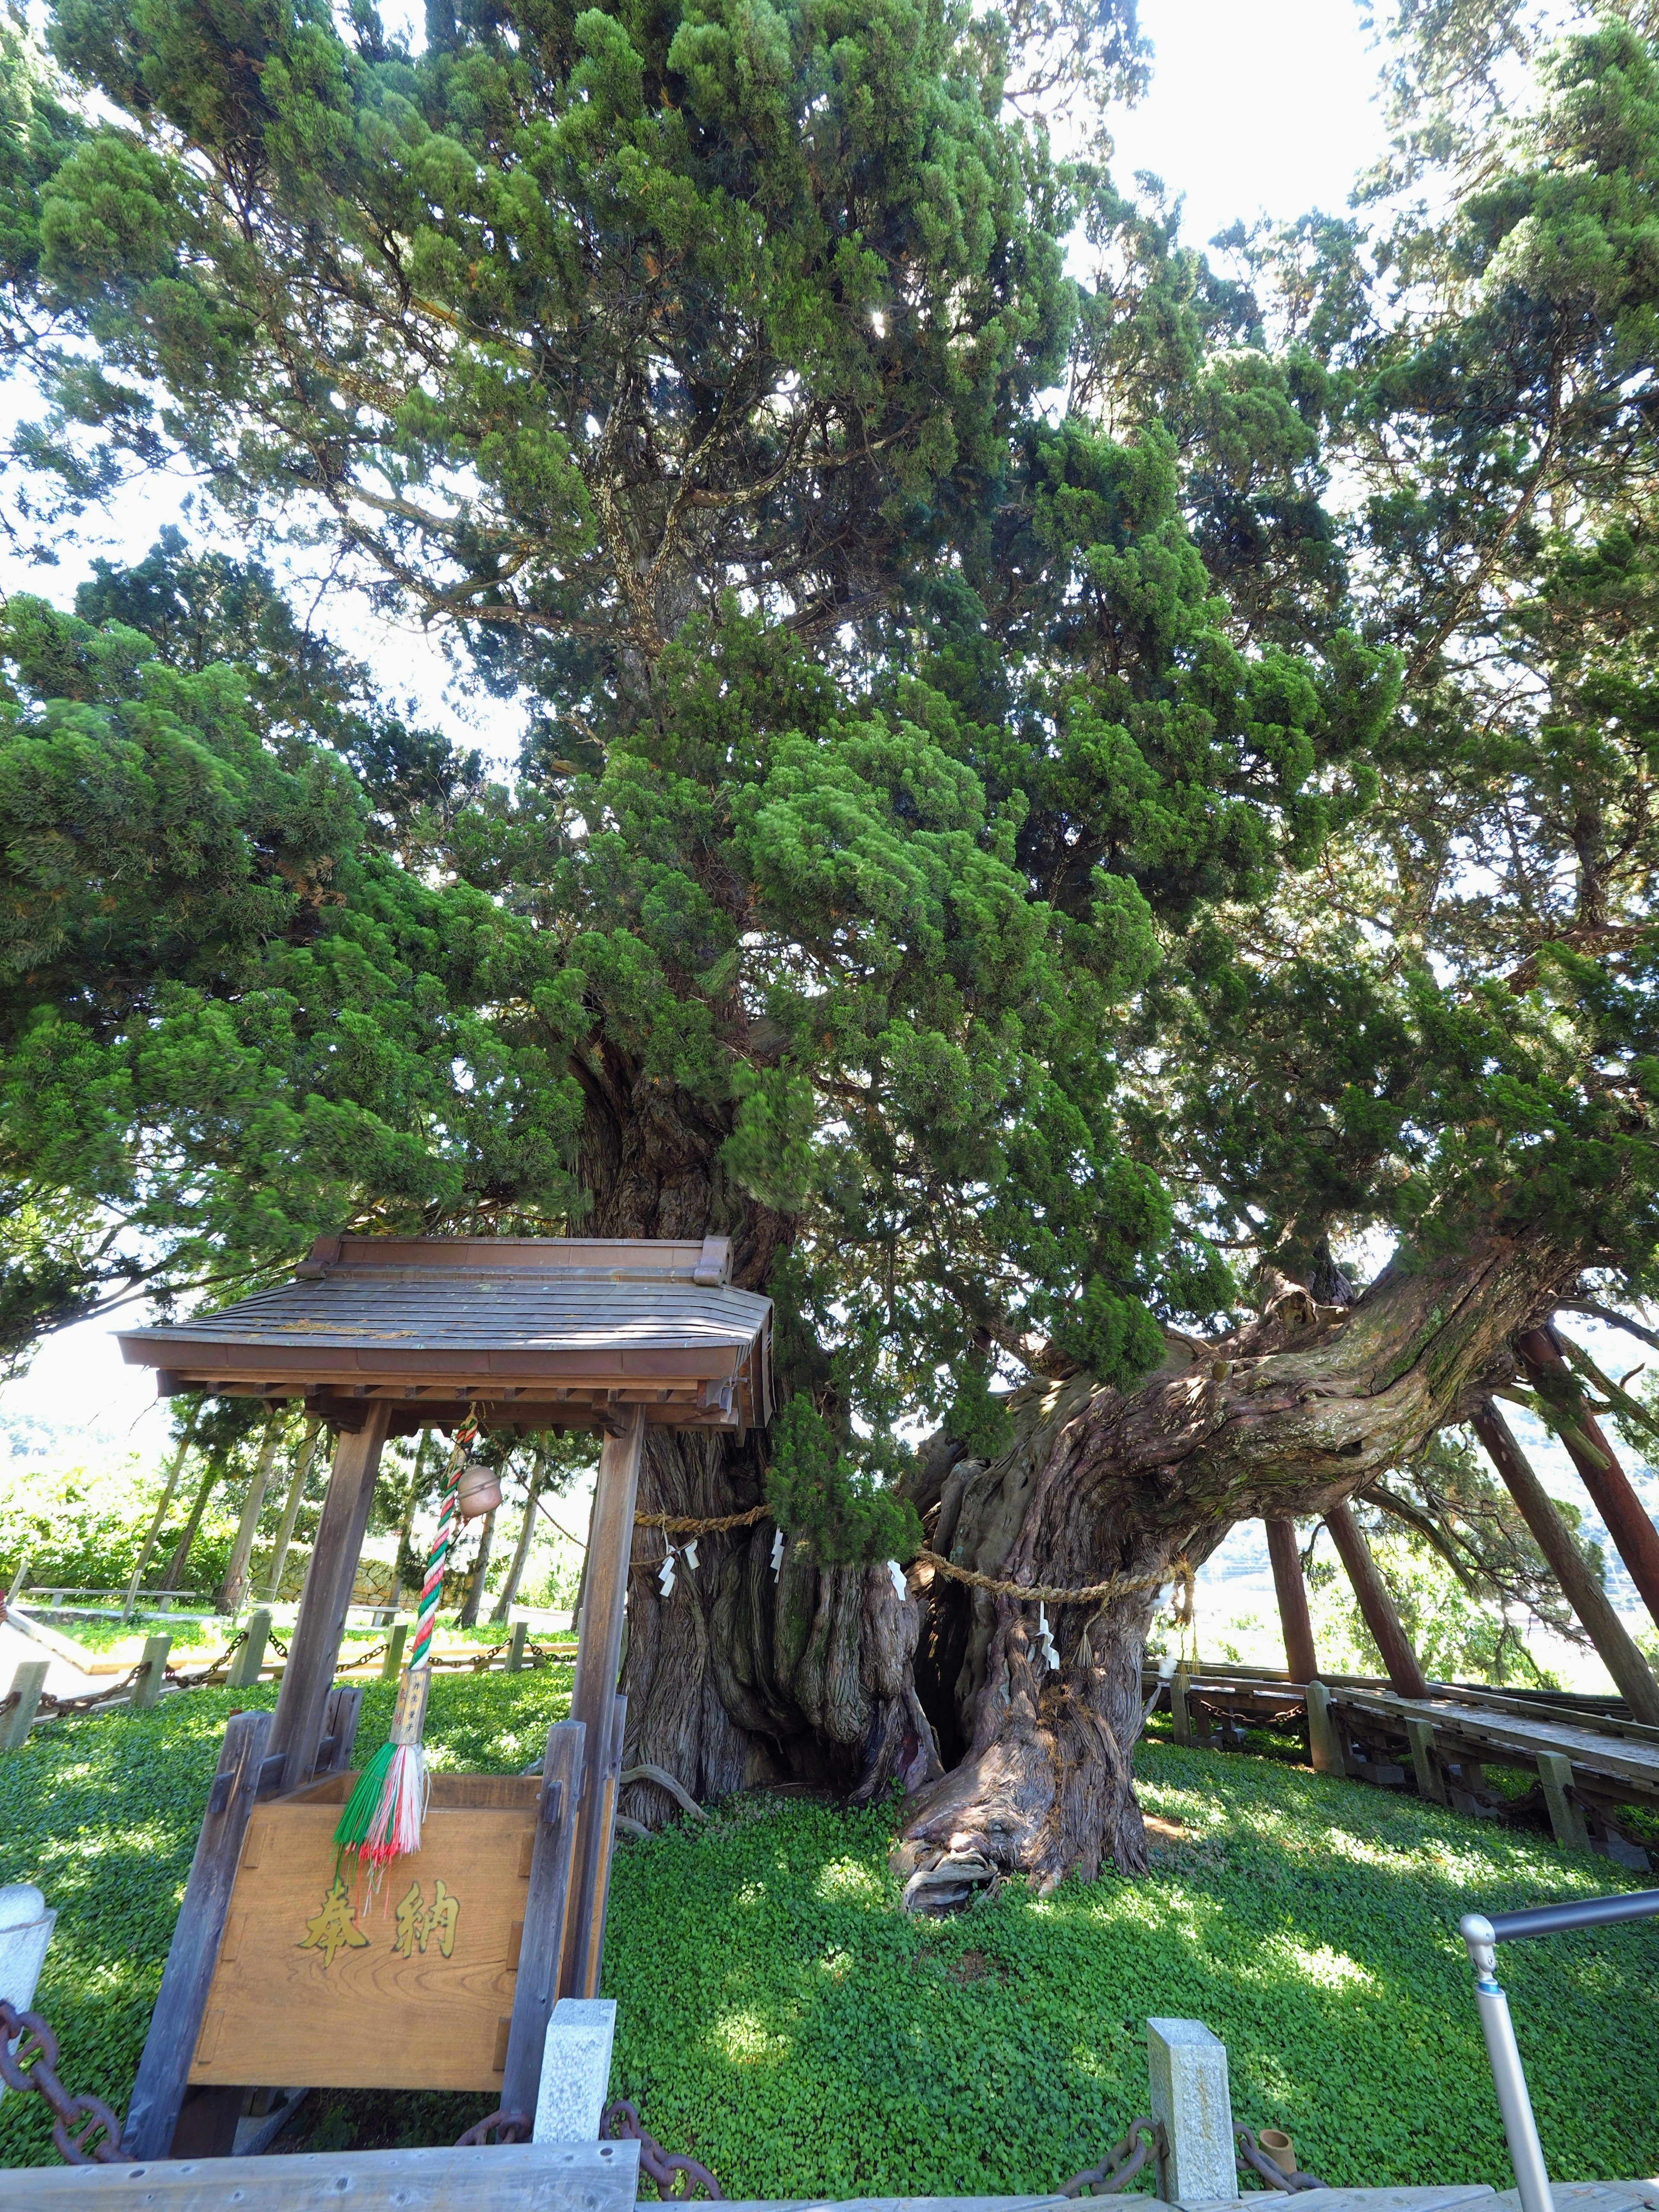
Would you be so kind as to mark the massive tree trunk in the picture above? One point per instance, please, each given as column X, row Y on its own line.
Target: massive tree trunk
column 825, row 1676
column 1290, row 1414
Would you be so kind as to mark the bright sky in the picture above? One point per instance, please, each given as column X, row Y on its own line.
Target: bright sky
column 1257, row 105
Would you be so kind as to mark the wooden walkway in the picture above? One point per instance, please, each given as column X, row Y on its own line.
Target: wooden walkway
column 561, row 2178
column 1588, row 1761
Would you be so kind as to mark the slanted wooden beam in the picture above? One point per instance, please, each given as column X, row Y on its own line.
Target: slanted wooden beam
column 1300, row 1657
column 1405, row 1677
column 1634, row 1536
column 599, row 1657
column 313, row 1650
column 546, row 1915
column 175, row 2025
column 1578, row 1581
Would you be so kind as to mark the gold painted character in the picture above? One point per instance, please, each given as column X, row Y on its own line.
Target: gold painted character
column 333, row 1926
column 417, row 1922
column 441, row 1921
column 410, row 1918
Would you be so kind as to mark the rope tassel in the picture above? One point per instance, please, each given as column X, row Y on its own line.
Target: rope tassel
column 383, row 1816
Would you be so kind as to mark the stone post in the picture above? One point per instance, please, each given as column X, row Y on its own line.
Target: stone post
column 244, row 1667
column 1190, row 2095
column 25, row 1926
column 27, row 1686
column 575, row 2070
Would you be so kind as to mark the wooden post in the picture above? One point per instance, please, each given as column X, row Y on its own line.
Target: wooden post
column 27, row 1686
column 340, row 1718
column 1566, row 1821
column 1181, row 1719
column 1584, row 1591
column 19, row 1578
column 1405, row 1677
column 1300, row 1657
column 176, row 2023
column 612, row 1787
column 515, row 1649
column 1634, row 1536
column 392, row 1665
column 599, row 1655
column 153, row 1667
column 1325, row 1749
column 546, row 1913
column 1426, row 1763
column 245, row 1667
column 314, row 1647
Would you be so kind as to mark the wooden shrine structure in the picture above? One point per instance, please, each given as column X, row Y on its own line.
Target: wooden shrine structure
column 280, row 1974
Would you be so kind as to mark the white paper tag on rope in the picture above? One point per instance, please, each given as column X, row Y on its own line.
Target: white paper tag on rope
column 666, row 1574
column 777, row 1555
column 900, row 1588
column 689, row 1555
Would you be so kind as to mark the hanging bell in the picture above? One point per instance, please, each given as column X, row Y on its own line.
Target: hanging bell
column 478, row 1491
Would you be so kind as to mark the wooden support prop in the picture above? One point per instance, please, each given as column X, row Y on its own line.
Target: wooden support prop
column 245, row 1667
column 176, row 2024
column 1634, row 1536
column 1405, row 1677
column 1325, row 1744
column 515, row 1649
column 546, row 1910
column 153, row 1667
column 1300, row 1659
column 599, row 1655
column 315, row 1647
column 590, row 2177
column 1567, row 1821
column 392, row 1665
column 27, row 1686
column 1578, row 1580
column 1425, row 1761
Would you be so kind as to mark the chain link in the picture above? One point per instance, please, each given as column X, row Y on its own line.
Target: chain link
column 1253, row 2157
column 1142, row 2143
column 76, row 2121
column 677, row 2179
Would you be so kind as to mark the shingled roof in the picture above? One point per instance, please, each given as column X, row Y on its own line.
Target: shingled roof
column 535, row 1332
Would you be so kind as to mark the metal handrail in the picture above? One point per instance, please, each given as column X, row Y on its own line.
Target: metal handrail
column 1481, row 1935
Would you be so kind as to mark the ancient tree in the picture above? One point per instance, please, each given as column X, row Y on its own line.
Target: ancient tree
column 1067, row 888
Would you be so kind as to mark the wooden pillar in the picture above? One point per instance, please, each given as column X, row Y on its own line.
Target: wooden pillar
column 598, row 1656
column 314, row 1647
column 1577, row 1578
column 1405, row 1677
column 1634, row 1536
column 158, row 2094
column 1300, row 1656
column 546, row 1917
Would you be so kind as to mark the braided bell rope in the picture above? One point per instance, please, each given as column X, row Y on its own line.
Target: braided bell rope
column 432, row 1588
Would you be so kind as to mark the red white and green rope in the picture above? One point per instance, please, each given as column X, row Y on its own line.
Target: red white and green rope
column 383, row 1816
column 432, row 1588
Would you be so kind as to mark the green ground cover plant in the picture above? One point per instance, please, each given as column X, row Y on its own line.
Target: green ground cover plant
column 780, row 2017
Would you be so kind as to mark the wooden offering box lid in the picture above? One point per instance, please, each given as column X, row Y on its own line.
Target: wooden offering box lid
column 536, row 1332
